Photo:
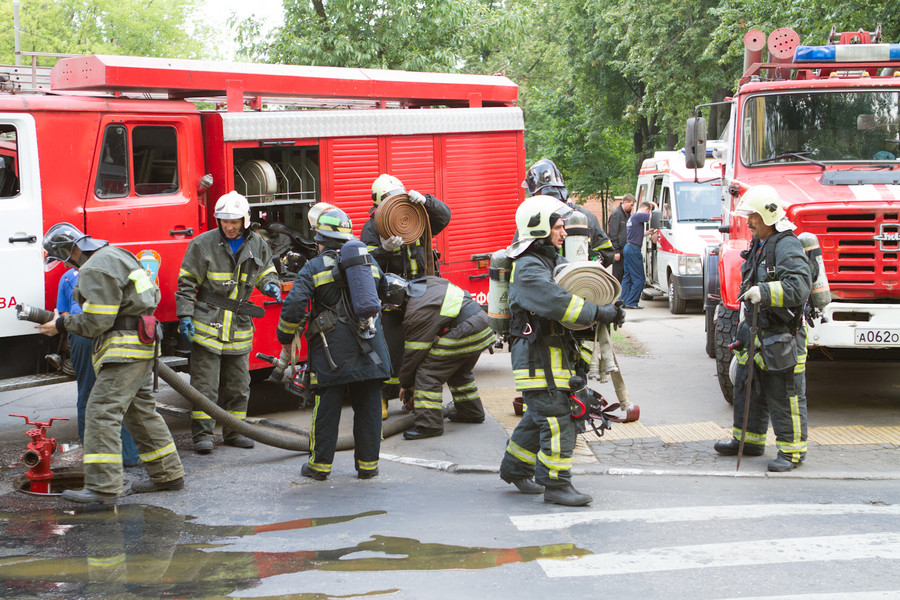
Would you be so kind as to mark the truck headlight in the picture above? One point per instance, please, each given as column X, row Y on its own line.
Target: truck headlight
column 689, row 265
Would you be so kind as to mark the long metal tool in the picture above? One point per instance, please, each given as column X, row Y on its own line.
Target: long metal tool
column 751, row 357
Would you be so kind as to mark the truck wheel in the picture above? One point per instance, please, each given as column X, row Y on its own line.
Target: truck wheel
column 676, row 302
column 710, row 331
column 726, row 329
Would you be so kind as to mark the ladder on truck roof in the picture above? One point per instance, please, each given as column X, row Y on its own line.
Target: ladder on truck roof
column 282, row 84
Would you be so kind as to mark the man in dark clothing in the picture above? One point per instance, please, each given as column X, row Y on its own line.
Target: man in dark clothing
column 544, row 178
column 634, row 279
column 545, row 355
column 444, row 333
column 616, row 228
column 775, row 280
column 341, row 361
column 406, row 260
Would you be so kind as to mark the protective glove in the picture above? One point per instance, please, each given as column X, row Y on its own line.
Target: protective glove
column 415, row 197
column 406, row 397
column 753, row 295
column 186, row 327
column 612, row 314
column 272, row 290
column 392, row 243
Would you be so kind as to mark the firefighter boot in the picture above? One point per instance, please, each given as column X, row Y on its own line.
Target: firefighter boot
column 526, row 485
column 203, row 446
column 89, row 496
column 567, row 496
column 143, row 487
column 784, row 463
column 419, row 433
column 730, row 448
column 239, row 441
column 384, row 407
column 308, row 471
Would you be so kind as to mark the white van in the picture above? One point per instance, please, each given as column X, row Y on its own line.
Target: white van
column 687, row 221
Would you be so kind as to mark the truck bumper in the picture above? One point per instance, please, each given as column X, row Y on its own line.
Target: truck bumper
column 689, row 287
column 854, row 325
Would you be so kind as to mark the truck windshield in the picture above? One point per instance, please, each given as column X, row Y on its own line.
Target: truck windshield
column 697, row 202
column 823, row 126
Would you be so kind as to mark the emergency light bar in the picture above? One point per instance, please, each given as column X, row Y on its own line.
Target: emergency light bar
column 848, row 53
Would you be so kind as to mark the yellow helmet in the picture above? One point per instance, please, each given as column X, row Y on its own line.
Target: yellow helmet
column 315, row 211
column 764, row 201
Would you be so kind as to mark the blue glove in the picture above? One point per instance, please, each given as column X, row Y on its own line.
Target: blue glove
column 186, row 327
column 272, row 290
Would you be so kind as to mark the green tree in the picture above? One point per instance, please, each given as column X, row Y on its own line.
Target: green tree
column 126, row 27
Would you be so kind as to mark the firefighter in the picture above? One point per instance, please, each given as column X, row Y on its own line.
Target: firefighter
column 544, row 178
column 117, row 300
column 444, row 333
column 775, row 280
column 407, row 261
column 219, row 271
column 544, row 354
column 342, row 361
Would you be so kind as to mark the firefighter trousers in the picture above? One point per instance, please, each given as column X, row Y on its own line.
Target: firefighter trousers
column 780, row 396
column 542, row 444
column 365, row 398
column 124, row 391
column 456, row 370
column 223, row 378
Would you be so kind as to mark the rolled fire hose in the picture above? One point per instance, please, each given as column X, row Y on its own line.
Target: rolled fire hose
column 589, row 280
column 398, row 216
column 298, row 441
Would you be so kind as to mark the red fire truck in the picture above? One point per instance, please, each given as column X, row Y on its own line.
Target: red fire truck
column 822, row 126
column 137, row 150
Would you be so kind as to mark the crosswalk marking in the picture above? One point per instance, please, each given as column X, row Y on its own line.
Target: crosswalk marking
column 696, row 513
column 747, row 553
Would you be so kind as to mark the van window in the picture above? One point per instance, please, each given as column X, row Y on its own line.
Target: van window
column 658, row 189
column 154, row 161
column 9, row 163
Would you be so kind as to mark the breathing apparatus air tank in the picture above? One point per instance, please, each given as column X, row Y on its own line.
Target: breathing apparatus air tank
column 356, row 264
column 498, row 292
column 578, row 238
column 821, row 291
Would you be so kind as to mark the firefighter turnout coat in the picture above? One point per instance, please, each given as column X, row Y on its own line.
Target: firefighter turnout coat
column 406, row 261
column 113, row 290
column 444, row 333
column 544, row 356
column 210, row 269
column 780, row 267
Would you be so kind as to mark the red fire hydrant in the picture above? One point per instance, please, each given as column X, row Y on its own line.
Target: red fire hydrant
column 38, row 453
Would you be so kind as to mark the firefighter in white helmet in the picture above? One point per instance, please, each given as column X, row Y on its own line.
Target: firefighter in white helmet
column 776, row 280
column 220, row 269
column 544, row 355
column 407, row 261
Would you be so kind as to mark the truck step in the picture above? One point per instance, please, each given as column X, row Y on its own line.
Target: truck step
column 29, row 381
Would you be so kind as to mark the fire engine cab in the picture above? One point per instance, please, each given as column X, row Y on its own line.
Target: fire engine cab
column 137, row 150
column 822, row 126
column 686, row 223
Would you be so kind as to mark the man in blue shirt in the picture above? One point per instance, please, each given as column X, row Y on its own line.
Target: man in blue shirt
column 81, row 349
column 633, row 281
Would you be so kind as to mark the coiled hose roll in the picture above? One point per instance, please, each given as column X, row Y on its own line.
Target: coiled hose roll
column 298, row 442
column 398, row 216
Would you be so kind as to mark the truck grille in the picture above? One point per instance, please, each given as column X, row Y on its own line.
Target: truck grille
column 860, row 247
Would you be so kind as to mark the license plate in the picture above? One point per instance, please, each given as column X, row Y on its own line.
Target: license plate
column 877, row 337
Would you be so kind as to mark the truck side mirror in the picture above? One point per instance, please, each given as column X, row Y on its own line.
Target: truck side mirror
column 695, row 143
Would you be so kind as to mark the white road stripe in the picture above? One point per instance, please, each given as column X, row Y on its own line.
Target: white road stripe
column 730, row 554
column 885, row 595
column 695, row 513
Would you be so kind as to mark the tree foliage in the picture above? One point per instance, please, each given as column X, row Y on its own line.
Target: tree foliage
column 126, row 27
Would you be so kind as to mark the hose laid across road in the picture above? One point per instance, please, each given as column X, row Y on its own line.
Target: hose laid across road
column 298, row 442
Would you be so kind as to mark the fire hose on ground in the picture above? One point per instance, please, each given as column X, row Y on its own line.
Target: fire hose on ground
column 287, row 440
column 591, row 281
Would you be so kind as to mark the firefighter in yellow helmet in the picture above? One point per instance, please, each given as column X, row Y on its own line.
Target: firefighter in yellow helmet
column 544, row 356
column 776, row 280
column 221, row 267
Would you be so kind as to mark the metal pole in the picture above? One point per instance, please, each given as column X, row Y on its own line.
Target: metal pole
column 16, row 31
column 751, row 359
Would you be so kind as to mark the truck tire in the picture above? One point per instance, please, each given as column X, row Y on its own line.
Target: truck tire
column 726, row 329
column 710, row 331
column 676, row 302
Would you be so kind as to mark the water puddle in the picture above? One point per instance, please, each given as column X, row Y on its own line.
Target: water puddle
column 141, row 551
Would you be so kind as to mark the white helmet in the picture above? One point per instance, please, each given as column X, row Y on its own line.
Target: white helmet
column 763, row 200
column 233, row 206
column 533, row 220
column 386, row 186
